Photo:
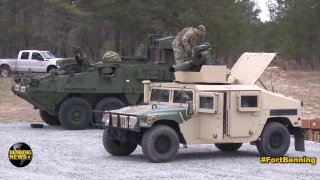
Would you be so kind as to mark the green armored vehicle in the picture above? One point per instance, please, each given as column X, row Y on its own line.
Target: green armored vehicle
column 68, row 95
column 207, row 104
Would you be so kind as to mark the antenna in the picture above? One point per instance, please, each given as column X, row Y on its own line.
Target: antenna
column 271, row 82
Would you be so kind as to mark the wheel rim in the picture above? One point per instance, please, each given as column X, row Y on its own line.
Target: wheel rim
column 276, row 140
column 162, row 144
column 76, row 114
column 4, row 72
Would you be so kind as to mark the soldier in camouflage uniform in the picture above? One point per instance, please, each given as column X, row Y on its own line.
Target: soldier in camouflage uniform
column 111, row 56
column 185, row 41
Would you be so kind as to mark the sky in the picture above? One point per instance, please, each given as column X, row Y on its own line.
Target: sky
column 264, row 10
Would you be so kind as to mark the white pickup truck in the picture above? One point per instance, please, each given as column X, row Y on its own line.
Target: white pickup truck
column 29, row 61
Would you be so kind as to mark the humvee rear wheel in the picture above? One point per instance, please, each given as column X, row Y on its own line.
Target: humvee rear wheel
column 48, row 118
column 115, row 147
column 275, row 140
column 109, row 103
column 75, row 113
column 160, row 144
column 228, row 146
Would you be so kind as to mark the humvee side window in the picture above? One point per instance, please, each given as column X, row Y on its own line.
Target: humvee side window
column 206, row 102
column 161, row 95
column 249, row 101
column 182, row 96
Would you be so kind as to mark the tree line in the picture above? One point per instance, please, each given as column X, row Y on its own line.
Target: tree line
column 233, row 26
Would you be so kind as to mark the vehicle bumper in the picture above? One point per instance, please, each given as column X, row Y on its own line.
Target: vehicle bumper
column 120, row 121
column 299, row 136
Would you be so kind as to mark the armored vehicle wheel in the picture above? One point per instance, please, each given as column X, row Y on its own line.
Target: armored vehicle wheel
column 160, row 144
column 109, row 103
column 75, row 113
column 275, row 140
column 228, row 146
column 115, row 147
column 48, row 118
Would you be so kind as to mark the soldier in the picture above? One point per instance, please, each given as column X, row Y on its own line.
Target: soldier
column 185, row 41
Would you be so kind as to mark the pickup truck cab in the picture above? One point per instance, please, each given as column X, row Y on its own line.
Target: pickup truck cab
column 29, row 60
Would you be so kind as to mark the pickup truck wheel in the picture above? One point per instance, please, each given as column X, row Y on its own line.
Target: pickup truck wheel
column 109, row 103
column 228, row 146
column 48, row 118
column 51, row 68
column 115, row 147
column 75, row 113
column 160, row 144
column 5, row 71
column 275, row 140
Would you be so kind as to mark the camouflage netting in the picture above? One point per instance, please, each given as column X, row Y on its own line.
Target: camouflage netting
column 111, row 56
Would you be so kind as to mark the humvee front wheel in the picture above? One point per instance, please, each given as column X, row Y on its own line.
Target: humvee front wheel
column 228, row 146
column 115, row 147
column 107, row 104
column 48, row 118
column 75, row 113
column 160, row 144
column 275, row 140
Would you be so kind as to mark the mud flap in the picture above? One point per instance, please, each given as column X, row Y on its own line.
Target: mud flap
column 299, row 139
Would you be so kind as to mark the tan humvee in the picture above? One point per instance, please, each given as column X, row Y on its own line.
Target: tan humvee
column 214, row 106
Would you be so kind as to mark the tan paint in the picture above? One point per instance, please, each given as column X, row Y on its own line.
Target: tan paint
column 244, row 124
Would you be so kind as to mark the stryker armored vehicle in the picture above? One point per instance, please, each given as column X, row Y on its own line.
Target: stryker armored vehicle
column 207, row 104
column 68, row 95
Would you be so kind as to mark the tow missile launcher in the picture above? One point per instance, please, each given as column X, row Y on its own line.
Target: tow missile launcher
column 211, row 105
column 68, row 95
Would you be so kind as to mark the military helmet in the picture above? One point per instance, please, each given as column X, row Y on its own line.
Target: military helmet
column 202, row 28
column 111, row 56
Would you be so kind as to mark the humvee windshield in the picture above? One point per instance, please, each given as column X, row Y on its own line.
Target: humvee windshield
column 160, row 95
column 182, row 96
column 179, row 96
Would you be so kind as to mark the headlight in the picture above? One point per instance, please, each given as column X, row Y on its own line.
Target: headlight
column 105, row 118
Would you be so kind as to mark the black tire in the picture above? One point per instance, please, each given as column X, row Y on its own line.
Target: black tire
column 115, row 148
column 109, row 103
column 228, row 146
column 155, row 135
column 51, row 68
column 67, row 110
column 275, row 140
column 5, row 71
column 48, row 118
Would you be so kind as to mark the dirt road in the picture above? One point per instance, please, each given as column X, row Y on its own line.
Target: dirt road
column 62, row 154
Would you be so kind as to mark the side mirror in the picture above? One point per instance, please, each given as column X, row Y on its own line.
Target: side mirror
column 190, row 109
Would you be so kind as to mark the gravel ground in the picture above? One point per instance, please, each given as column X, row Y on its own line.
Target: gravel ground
column 63, row 154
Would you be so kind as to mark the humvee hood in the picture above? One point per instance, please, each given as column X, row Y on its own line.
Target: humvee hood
column 147, row 109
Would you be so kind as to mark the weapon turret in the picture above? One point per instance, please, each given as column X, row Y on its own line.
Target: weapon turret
column 202, row 56
column 200, row 68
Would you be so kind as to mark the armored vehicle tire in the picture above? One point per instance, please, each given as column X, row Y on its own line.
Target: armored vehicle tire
column 109, row 103
column 228, row 146
column 275, row 140
column 160, row 144
column 115, row 147
column 75, row 113
column 48, row 118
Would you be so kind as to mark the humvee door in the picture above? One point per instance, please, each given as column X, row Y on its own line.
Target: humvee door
column 210, row 114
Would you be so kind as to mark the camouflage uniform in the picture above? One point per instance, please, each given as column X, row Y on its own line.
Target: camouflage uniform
column 184, row 42
column 111, row 56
